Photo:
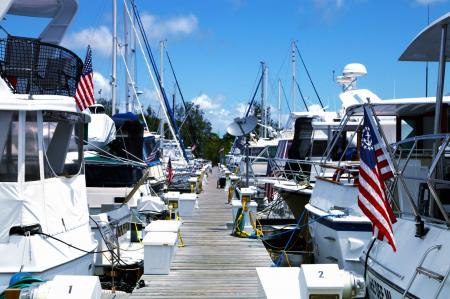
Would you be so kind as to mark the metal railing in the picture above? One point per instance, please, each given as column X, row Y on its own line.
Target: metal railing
column 438, row 169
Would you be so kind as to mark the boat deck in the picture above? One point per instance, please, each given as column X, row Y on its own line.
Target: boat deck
column 213, row 264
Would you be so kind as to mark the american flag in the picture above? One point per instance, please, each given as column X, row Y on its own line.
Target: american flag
column 372, row 198
column 152, row 156
column 84, row 95
column 169, row 172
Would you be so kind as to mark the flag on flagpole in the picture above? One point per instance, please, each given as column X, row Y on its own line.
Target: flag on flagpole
column 169, row 172
column 372, row 198
column 84, row 95
column 153, row 156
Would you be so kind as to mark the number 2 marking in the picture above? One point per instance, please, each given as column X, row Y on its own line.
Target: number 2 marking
column 320, row 274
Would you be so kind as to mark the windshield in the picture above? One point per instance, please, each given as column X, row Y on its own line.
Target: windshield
column 62, row 136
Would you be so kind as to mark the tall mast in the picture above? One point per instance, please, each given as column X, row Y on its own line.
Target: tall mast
column 133, row 59
column 161, row 69
column 114, row 60
column 266, row 85
column 125, row 45
column 279, row 103
column 262, row 130
column 293, row 75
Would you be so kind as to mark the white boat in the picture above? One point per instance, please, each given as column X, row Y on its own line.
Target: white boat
column 309, row 135
column 45, row 221
column 342, row 231
column 421, row 265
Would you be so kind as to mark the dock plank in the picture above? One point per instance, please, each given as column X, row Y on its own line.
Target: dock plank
column 213, row 264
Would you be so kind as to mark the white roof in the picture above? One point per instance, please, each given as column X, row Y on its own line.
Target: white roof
column 425, row 46
column 38, row 102
column 262, row 142
column 357, row 96
column 400, row 107
column 61, row 13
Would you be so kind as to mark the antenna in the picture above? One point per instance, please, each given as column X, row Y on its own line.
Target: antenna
column 350, row 74
column 240, row 127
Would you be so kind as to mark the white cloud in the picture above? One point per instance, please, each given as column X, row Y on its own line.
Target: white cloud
column 429, row 2
column 328, row 3
column 241, row 109
column 102, row 84
column 159, row 28
column 205, row 102
column 216, row 112
column 99, row 38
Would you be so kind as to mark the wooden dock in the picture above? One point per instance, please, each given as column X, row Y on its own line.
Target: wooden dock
column 213, row 264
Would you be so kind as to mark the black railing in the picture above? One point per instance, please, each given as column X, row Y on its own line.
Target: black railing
column 34, row 67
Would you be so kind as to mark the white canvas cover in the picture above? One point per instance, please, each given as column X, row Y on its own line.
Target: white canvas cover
column 101, row 131
column 57, row 204
column 152, row 204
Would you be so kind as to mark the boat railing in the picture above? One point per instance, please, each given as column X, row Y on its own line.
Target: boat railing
column 422, row 166
column 339, row 172
column 30, row 66
column 299, row 171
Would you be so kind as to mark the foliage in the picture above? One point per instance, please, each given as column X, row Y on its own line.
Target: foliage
column 195, row 130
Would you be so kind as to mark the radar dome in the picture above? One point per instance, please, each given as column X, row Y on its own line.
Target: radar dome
column 354, row 70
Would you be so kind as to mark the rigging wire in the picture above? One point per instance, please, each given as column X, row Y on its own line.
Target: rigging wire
column 285, row 97
column 186, row 117
column 301, row 95
column 160, row 90
column 309, row 76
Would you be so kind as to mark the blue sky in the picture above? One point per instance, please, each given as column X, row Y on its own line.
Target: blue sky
column 217, row 46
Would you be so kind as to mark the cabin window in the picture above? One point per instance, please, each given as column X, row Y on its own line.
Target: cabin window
column 318, row 148
column 63, row 144
column 9, row 145
column 255, row 151
column 31, row 147
column 272, row 150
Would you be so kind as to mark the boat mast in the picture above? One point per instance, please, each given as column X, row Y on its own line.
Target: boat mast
column 161, row 69
column 114, row 59
column 262, row 129
column 266, row 88
column 279, row 103
column 133, row 61
column 293, row 75
column 125, row 52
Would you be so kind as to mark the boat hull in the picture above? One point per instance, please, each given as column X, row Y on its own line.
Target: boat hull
column 389, row 273
column 82, row 265
column 296, row 200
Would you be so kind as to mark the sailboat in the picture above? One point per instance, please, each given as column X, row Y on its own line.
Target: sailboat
column 45, row 221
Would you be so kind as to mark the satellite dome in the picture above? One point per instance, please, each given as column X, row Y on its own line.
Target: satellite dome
column 354, row 70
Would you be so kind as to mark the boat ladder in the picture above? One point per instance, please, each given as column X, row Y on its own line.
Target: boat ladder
column 429, row 273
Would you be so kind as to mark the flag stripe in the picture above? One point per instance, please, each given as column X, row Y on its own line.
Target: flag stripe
column 374, row 168
column 377, row 204
column 84, row 95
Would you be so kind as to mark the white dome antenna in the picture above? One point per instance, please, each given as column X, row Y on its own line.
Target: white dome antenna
column 350, row 74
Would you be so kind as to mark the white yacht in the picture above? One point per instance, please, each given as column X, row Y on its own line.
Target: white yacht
column 421, row 265
column 45, row 221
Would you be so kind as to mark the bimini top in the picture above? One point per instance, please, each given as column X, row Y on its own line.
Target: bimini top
column 399, row 107
column 425, row 46
column 61, row 13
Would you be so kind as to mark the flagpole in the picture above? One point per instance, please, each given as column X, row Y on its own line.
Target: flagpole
column 394, row 164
